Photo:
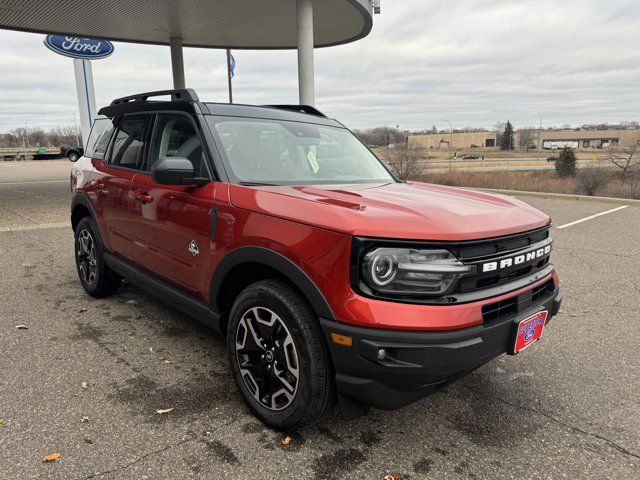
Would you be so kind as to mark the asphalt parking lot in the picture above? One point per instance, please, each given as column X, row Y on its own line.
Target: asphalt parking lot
column 86, row 377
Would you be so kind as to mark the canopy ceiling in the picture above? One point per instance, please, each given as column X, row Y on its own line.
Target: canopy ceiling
column 200, row 23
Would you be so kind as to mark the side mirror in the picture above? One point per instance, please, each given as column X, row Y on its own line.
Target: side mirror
column 175, row 171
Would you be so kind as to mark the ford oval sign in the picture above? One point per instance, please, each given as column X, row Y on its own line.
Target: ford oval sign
column 75, row 47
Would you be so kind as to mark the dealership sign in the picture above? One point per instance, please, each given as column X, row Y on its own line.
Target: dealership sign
column 75, row 47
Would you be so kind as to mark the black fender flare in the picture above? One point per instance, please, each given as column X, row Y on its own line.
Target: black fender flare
column 278, row 262
column 79, row 199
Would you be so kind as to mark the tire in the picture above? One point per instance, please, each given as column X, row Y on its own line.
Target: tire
column 96, row 277
column 73, row 156
column 295, row 340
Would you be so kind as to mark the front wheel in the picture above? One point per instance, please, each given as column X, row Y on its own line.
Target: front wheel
column 278, row 357
column 73, row 157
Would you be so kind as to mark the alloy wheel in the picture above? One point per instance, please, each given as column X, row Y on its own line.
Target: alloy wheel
column 86, row 254
column 267, row 358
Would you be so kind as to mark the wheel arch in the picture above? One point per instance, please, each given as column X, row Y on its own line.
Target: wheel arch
column 259, row 263
column 80, row 208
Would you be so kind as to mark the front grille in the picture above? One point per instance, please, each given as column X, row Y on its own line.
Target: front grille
column 497, row 311
column 479, row 253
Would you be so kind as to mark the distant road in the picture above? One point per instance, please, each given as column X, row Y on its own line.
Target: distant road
column 31, row 171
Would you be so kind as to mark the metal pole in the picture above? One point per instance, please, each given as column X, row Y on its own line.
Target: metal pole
column 229, row 75
column 540, row 132
column 450, row 141
column 306, row 79
column 177, row 63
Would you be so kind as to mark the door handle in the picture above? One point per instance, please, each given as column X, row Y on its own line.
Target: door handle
column 144, row 197
column 100, row 189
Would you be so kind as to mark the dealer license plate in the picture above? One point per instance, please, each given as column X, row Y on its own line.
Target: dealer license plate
column 529, row 330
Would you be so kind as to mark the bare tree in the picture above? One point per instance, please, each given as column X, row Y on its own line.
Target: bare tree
column 627, row 159
column 405, row 162
column 527, row 138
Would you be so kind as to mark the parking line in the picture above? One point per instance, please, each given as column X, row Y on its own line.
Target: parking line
column 33, row 182
column 41, row 226
column 591, row 217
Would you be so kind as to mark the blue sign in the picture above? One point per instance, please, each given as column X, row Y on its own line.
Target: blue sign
column 75, row 47
column 232, row 66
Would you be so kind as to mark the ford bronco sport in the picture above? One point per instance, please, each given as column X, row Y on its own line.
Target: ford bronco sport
column 329, row 277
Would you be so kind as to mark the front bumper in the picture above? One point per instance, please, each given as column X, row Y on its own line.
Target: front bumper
column 416, row 364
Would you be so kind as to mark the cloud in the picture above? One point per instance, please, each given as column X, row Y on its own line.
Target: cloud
column 472, row 62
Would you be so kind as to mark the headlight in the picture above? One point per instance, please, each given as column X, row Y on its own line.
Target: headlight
column 406, row 271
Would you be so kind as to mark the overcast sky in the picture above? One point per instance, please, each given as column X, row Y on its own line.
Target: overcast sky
column 474, row 62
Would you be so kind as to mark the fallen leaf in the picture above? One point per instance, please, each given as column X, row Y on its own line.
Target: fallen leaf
column 164, row 410
column 392, row 476
column 2, row 421
column 82, row 310
column 84, row 385
column 22, row 327
column 208, row 433
column 151, row 349
column 84, row 419
column 52, row 457
column 286, row 440
column 27, row 264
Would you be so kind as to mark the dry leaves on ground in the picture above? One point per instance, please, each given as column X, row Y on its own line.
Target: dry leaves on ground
column 2, row 421
column 22, row 327
column 392, row 476
column 162, row 411
column 52, row 457
column 286, row 440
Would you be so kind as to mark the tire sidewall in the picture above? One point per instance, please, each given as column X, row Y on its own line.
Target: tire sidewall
column 264, row 297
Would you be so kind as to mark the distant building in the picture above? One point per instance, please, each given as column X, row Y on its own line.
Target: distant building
column 547, row 139
column 587, row 139
column 456, row 141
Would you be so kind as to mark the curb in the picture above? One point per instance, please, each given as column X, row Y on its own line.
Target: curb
column 565, row 196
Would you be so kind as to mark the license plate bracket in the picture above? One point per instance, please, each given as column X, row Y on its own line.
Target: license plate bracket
column 528, row 331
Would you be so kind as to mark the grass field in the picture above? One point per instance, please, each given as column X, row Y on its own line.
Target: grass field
column 537, row 181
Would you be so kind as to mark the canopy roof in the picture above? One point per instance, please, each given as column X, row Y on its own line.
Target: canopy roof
column 252, row 24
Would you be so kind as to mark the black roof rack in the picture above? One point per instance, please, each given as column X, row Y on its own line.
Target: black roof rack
column 185, row 95
column 300, row 108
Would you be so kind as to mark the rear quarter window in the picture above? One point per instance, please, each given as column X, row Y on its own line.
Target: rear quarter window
column 99, row 138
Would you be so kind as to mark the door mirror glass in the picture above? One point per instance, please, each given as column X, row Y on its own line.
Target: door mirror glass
column 176, row 171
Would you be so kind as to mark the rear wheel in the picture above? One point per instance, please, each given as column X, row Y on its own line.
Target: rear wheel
column 73, row 156
column 96, row 277
column 278, row 357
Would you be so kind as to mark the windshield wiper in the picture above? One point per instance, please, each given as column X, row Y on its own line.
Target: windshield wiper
column 258, row 184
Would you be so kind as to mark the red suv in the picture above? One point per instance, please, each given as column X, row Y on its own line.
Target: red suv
column 329, row 277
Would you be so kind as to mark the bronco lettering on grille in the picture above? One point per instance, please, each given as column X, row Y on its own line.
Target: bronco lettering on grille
column 516, row 260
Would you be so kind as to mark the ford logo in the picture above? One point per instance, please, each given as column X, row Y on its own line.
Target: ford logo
column 75, row 47
column 529, row 335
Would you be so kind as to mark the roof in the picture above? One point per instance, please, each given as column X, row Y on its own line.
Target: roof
column 254, row 24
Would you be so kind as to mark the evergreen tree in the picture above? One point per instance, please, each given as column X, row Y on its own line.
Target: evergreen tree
column 507, row 137
column 566, row 164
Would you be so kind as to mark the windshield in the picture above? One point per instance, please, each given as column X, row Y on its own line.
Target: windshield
column 280, row 152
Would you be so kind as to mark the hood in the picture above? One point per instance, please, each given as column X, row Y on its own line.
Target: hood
column 410, row 210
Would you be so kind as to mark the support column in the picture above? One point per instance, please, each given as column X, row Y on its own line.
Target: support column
column 306, row 75
column 177, row 63
column 86, row 96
